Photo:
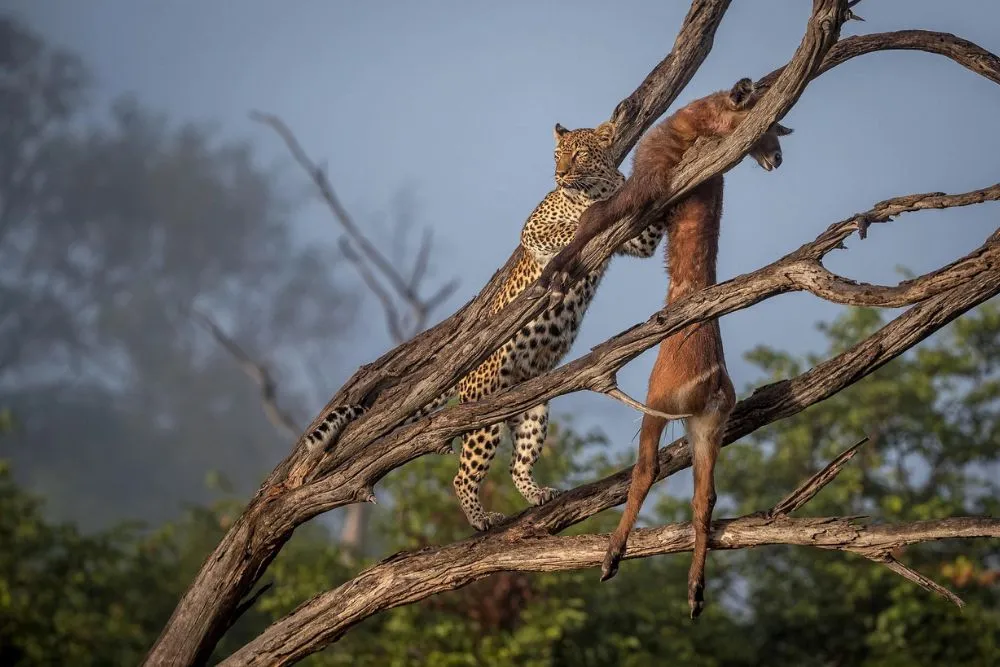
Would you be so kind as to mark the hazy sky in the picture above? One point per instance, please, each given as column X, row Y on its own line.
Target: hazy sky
column 454, row 102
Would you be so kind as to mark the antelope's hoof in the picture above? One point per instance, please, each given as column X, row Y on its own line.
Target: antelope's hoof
column 696, row 598
column 609, row 567
column 553, row 279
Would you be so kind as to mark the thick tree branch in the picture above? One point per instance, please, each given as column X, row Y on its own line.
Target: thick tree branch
column 353, row 467
column 967, row 54
column 469, row 343
column 632, row 116
column 637, row 112
column 710, row 157
column 255, row 538
column 409, row 577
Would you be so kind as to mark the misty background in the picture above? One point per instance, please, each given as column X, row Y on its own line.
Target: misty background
column 163, row 195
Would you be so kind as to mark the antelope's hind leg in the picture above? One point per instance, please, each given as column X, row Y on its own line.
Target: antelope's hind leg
column 704, row 433
column 647, row 467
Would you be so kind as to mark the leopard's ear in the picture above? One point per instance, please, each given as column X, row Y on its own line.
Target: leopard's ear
column 559, row 131
column 605, row 132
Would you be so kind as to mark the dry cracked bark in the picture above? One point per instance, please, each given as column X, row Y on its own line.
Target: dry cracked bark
column 308, row 483
column 410, row 577
column 416, row 576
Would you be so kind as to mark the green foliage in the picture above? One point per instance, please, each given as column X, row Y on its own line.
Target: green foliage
column 934, row 415
column 67, row 598
column 71, row 598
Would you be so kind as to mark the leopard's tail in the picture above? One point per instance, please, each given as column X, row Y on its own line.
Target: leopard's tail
column 434, row 405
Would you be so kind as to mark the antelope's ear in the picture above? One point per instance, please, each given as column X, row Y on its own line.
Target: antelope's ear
column 781, row 130
column 741, row 92
column 559, row 131
column 605, row 132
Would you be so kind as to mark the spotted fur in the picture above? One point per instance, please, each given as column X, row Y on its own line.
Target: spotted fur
column 333, row 423
column 585, row 173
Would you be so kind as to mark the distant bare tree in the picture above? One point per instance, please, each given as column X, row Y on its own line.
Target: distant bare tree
column 399, row 293
column 109, row 232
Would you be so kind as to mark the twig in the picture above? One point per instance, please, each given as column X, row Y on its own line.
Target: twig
column 421, row 262
column 919, row 579
column 388, row 307
column 257, row 372
column 808, row 489
column 245, row 605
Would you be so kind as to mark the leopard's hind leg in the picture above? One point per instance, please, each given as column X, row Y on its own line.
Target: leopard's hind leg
column 528, row 431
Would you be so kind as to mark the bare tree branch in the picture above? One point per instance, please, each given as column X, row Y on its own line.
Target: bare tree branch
column 429, row 571
column 407, row 290
column 255, row 538
column 808, row 489
column 392, row 318
column 409, row 577
column 660, row 88
column 406, row 578
column 798, row 271
column 468, row 343
column 411, row 374
column 400, row 327
column 257, row 372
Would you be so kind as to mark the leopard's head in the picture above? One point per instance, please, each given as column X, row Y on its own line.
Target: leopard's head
column 584, row 161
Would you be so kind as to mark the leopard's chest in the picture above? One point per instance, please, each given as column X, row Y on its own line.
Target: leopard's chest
column 542, row 343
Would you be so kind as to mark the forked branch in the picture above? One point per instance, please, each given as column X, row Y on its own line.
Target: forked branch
column 407, row 289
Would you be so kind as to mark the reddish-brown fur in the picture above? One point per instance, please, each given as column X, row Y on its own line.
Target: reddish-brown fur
column 656, row 157
column 689, row 376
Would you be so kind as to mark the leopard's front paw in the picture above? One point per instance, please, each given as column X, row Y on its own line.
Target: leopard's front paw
column 543, row 495
column 488, row 520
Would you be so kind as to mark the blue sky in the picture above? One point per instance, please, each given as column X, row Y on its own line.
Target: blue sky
column 453, row 103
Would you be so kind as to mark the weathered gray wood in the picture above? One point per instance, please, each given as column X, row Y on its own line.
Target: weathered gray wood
column 941, row 295
column 415, row 577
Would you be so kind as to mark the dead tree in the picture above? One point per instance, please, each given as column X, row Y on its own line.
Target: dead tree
column 405, row 308
column 308, row 483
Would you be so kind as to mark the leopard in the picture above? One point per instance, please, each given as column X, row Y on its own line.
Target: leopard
column 585, row 172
